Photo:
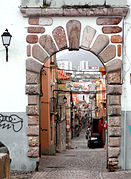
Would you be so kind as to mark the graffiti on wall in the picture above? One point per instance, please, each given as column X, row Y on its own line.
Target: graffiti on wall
column 13, row 121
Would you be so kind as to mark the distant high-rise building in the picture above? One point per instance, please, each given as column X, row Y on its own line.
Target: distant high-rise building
column 83, row 65
column 63, row 64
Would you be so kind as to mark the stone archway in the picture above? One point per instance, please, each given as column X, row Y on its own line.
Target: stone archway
column 108, row 50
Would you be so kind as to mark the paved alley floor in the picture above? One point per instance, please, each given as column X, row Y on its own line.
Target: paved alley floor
column 79, row 162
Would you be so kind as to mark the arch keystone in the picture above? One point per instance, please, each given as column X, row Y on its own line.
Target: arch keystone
column 100, row 43
column 48, row 44
column 88, row 35
column 39, row 54
column 60, row 37
column 73, row 31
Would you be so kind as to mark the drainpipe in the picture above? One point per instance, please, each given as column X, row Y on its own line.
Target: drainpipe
column 125, row 98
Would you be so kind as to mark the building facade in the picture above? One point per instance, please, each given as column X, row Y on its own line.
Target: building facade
column 38, row 33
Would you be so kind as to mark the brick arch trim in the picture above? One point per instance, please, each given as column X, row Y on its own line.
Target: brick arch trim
column 73, row 38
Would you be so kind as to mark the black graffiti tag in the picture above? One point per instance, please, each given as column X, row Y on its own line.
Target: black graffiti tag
column 13, row 121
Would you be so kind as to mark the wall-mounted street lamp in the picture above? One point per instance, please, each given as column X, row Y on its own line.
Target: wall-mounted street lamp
column 6, row 38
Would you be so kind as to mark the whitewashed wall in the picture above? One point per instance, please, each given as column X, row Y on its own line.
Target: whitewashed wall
column 12, row 73
column 60, row 3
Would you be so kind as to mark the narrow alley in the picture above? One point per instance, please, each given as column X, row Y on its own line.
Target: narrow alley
column 78, row 162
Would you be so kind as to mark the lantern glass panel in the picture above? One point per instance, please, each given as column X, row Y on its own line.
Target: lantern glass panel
column 6, row 40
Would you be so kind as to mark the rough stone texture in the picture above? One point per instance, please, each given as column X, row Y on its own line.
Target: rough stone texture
column 100, row 43
column 48, row 44
column 28, row 50
column 119, row 50
column 89, row 12
column 33, row 21
column 114, row 110
column 73, row 31
column 51, row 12
column 114, row 99
column 114, row 141
column 33, row 130
column 33, row 152
column 114, row 89
column 88, row 35
column 114, row 121
column 33, row 89
column 114, row 65
column 45, row 21
column 111, row 30
column 114, row 131
column 32, row 110
column 108, row 20
column 32, row 39
column 32, row 65
column 116, row 39
column 33, row 120
column 114, row 78
column 33, row 99
column 75, row 12
column 108, row 54
column 60, row 37
column 32, row 78
column 113, row 152
column 33, row 141
column 39, row 54
column 36, row 30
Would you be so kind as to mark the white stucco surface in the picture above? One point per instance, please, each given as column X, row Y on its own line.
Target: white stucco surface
column 126, row 96
column 60, row 3
column 12, row 73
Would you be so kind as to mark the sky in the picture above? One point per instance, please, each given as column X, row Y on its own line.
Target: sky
column 77, row 56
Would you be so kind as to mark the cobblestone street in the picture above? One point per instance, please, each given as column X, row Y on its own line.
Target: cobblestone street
column 79, row 162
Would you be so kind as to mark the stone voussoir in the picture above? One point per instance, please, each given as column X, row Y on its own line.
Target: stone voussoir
column 48, row 44
column 33, row 21
column 111, row 30
column 33, row 120
column 100, row 43
column 33, row 152
column 114, row 141
column 114, row 89
column 108, row 54
column 33, row 130
column 119, row 50
column 114, row 131
column 33, row 89
column 114, row 121
column 33, row 99
column 32, row 110
column 60, row 37
column 108, row 20
column 32, row 78
column 114, row 65
column 33, row 141
column 114, row 78
column 88, row 35
column 114, row 110
column 73, row 32
column 114, row 99
column 33, row 66
column 113, row 152
column 39, row 54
